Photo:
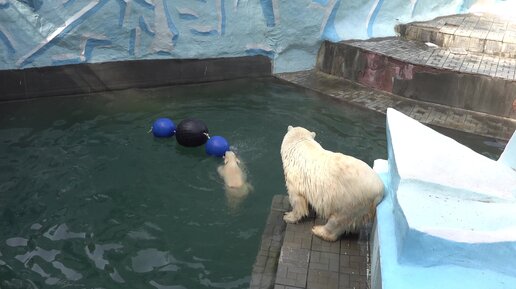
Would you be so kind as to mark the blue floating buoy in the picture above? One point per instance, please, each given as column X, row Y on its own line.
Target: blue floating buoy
column 217, row 146
column 191, row 132
column 163, row 127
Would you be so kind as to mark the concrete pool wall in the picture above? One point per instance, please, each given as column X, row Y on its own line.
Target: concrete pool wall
column 51, row 33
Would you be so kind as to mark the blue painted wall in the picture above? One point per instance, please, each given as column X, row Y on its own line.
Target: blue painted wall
column 37, row 33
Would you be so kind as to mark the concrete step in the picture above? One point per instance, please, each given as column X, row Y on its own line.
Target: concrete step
column 482, row 33
column 465, row 80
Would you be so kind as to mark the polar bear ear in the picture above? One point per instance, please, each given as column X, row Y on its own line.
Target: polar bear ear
column 289, row 128
column 313, row 134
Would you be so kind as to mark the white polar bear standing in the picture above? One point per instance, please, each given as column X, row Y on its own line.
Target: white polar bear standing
column 340, row 188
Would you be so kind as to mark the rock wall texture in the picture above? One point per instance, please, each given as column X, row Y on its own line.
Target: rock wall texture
column 36, row 33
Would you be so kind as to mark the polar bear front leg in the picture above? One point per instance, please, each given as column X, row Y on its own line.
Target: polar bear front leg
column 299, row 208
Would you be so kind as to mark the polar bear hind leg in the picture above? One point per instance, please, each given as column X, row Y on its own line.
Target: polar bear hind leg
column 299, row 208
column 335, row 227
column 338, row 225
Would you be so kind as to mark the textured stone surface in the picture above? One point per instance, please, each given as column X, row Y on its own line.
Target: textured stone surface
column 477, row 82
column 65, row 32
column 266, row 264
column 307, row 262
column 484, row 33
column 98, row 77
column 428, row 113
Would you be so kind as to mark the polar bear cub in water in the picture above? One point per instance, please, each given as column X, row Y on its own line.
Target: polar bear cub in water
column 340, row 188
column 235, row 179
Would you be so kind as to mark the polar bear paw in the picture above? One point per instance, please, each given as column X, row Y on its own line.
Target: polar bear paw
column 322, row 232
column 291, row 218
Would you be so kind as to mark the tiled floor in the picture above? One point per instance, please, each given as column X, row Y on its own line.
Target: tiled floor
column 428, row 113
column 482, row 33
column 453, row 59
column 306, row 261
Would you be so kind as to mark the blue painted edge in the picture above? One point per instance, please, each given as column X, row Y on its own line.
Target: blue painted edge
column 508, row 156
column 322, row 2
column 329, row 32
column 145, row 4
column 73, row 60
column 223, row 16
column 268, row 12
column 257, row 51
column 123, row 7
column 8, row 44
column 144, row 26
column 204, row 33
column 395, row 275
column 73, row 25
column 91, row 44
column 170, row 22
column 188, row 16
column 68, row 3
column 372, row 20
column 132, row 41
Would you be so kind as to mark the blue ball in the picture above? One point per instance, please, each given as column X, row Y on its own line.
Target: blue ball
column 217, row 146
column 163, row 127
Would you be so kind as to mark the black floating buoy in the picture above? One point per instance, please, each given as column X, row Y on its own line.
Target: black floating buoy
column 191, row 132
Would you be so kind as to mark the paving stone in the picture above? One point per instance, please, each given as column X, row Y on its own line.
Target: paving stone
column 476, row 33
column 322, row 279
column 324, row 261
column 489, row 65
column 448, row 117
column 471, row 64
column 323, row 246
column 299, row 236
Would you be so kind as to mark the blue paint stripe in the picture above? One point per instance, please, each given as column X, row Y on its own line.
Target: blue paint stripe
column 132, row 41
column 72, row 26
column 329, row 31
column 8, row 44
column 145, row 28
column 123, row 7
column 259, row 51
column 170, row 22
column 223, row 12
column 67, row 3
column 91, row 44
column 187, row 16
column 322, row 2
column 268, row 12
column 373, row 18
column 73, row 60
column 145, row 4
column 204, row 33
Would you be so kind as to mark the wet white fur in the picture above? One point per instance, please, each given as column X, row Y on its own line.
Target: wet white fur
column 340, row 188
column 235, row 180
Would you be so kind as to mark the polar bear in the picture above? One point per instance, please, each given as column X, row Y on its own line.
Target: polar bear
column 340, row 188
column 235, row 180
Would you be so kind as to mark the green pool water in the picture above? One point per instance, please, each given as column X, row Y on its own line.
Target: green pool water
column 89, row 199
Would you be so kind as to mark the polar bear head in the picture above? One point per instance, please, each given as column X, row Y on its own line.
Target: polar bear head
column 295, row 135
column 230, row 157
column 299, row 133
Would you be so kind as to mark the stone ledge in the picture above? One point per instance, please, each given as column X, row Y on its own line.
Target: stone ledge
column 98, row 77
column 428, row 113
column 474, row 82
